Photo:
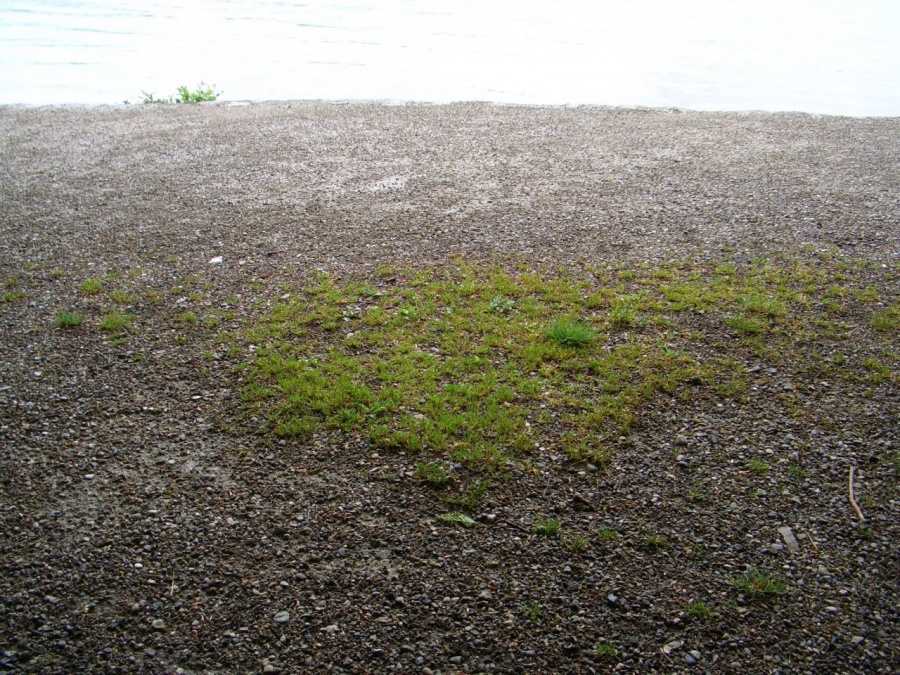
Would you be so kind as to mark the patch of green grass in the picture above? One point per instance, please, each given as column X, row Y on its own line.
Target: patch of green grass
column 12, row 296
column 471, row 365
column 432, row 473
column 67, row 320
column 548, row 527
column 570, row 333
column 116, row 322
column 91, row 286
column 759, row 584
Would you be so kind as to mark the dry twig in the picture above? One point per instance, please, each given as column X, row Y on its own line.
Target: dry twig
column 859, row 513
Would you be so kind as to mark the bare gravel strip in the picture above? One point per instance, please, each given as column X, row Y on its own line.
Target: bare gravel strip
column 147, row 528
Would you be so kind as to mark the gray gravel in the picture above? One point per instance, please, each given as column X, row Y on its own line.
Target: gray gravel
column 147, row 527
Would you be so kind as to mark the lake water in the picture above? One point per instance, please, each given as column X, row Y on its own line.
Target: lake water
column 822, row 56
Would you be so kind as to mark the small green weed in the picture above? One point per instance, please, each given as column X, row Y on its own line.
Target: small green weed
column 91, row 286
column 756, row 303
column 432, row 473
column 199, row 94
column 457, row 518
column 797, row 472
column 470, row 498
column 67, row 320
column 887, row 321
column 187, row 318
column 548, row 527
column 607, row 535
column 623, row 315
column 116, row 322
column 501, row 305
column 12, row 296
column 576, row 544
column 606, row 650
column 698, row 610
column 656, row 542
column 533, row 612
column 757, row 584
column 746, row 325
column 757, row 465
column 122, row 297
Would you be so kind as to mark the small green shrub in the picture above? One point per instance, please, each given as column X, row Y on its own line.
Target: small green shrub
column 432, row 473
column 201, row 93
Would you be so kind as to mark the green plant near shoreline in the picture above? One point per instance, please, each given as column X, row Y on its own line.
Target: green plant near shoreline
column 200, row 94
column 482, row 367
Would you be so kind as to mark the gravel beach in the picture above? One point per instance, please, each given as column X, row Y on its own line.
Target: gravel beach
column 149, row 526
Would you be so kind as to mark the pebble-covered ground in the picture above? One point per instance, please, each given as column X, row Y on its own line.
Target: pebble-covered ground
column 149, row 525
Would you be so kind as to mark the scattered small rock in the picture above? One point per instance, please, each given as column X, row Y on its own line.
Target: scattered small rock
column 216, row 261
column 282, row 617
column 158, row 624
column 456, row 660
column 789, row 539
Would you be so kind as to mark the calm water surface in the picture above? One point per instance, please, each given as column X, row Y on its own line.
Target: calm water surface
column 824, row 56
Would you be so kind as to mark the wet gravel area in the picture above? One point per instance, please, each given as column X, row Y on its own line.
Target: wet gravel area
column 148, row 527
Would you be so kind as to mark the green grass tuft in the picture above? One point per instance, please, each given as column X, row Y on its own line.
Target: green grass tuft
column 91, row 286
column 67, row 320
column 548, row 527
column 571, row 333
column 759, row 584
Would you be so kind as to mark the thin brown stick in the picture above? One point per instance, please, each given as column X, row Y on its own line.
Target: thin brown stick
column 859, row 513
